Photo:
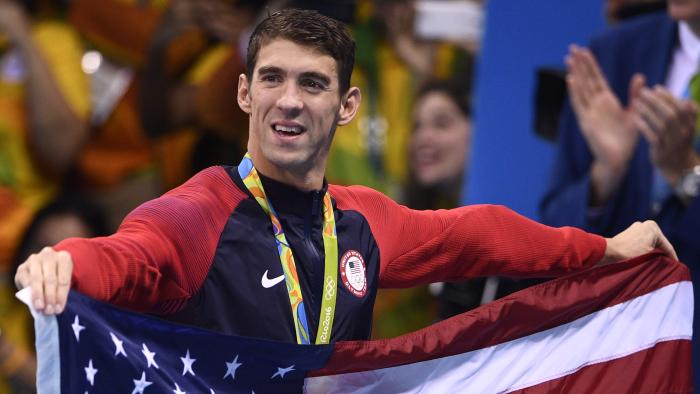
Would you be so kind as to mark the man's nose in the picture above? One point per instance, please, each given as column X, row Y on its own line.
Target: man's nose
column 290, row 102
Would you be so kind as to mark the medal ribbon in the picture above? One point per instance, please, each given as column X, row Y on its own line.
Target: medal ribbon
column 251, row 179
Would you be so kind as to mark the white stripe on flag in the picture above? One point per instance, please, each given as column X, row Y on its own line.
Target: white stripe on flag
column 617, row 331
column 48, row 375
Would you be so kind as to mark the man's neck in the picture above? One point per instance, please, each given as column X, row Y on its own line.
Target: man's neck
column 303, row 180
column 306, row 184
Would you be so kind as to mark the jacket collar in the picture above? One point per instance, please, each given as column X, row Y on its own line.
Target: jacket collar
column 666, row 39
column 286, row 199
column 289, row 199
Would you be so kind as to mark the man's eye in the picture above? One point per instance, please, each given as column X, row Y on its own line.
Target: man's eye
column 270, row 78
column 310, row 83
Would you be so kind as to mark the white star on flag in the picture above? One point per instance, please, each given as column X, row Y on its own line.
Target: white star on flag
column 118, row 344
column 283, row 371
column 232, row 367
column 90, row 373
column 77, row 328
column 187, row 364
column 141, row 384
column 150, row 357
column 177, row 390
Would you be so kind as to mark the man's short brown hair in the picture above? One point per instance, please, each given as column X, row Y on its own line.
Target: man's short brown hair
column 307, row 28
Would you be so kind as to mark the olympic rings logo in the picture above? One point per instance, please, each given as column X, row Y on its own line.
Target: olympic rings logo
column 330, row 288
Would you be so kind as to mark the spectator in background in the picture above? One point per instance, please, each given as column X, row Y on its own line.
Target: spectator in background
column 628, row 145
column 440, row 146
column 392, row 61
column 119, row 165
column 129, row 51
column 197, row 102
column 68, row 110
column 43, row 123
column 43, row 116
column 439, row 153
column 70, row 215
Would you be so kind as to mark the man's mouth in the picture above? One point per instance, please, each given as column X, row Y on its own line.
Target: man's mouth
column 288, row 130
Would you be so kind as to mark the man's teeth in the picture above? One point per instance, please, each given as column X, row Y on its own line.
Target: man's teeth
column 288, row 129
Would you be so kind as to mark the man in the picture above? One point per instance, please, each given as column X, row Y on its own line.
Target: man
column 214, row 252
column 629, row 152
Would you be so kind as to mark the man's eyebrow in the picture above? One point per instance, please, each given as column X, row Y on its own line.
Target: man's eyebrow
column 323, row 78
column 270, row 70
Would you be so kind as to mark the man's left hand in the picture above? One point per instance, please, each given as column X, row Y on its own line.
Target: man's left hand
column 637, row 239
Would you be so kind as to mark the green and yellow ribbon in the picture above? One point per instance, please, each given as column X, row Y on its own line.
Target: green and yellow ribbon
column 251, row 179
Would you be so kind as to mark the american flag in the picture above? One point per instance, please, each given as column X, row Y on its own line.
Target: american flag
column 355, row 269
column 623, row 327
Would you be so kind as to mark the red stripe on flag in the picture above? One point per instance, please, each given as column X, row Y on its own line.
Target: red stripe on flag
column 523, row 313
column 663, row 368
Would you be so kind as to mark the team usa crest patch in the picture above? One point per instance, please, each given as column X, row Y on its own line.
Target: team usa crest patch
column 352, row 271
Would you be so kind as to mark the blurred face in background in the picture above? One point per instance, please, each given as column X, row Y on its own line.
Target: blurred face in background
column 440, row 141
column 685, row 10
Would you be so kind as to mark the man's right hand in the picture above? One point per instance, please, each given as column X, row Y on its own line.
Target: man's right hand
column 608, row 128
column 48, row 274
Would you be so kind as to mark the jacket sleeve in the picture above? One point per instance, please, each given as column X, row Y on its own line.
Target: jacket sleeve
column 162, row 251
column 419, row 247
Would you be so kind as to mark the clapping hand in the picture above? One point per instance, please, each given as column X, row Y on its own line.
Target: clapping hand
column 668, row 125
column 608, row 127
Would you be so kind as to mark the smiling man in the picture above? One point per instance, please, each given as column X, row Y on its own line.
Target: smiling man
column 295, row 99
column 215, row 251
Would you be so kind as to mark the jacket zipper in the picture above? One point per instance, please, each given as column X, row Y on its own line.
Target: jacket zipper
column 313, row 251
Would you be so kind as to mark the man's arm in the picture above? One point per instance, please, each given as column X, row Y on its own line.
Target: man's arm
column 156, row 261
column 420, row 247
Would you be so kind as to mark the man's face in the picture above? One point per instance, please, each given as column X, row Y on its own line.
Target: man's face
column 294, row 104
column 684, row 10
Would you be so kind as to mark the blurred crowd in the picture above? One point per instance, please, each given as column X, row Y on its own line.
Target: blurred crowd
column 106, row 104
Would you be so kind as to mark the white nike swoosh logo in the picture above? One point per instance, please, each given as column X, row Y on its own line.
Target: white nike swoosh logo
column 267, row 282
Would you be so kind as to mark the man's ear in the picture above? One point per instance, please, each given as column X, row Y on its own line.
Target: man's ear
column 244, row 93
column 349, row 105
